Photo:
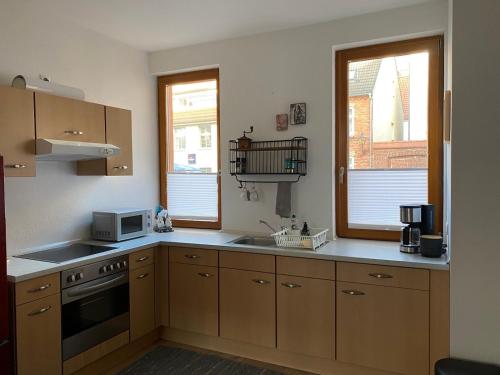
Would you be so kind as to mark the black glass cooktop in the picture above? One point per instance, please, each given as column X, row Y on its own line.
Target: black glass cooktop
column 63, row 254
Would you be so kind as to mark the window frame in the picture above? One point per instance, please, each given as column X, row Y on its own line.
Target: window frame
column 166, row 138
column 433, row 45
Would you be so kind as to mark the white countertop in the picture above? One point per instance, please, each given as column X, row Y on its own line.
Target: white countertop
column 357, row 251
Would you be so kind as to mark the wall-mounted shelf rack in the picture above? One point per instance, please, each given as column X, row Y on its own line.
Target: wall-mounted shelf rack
column 279, row 158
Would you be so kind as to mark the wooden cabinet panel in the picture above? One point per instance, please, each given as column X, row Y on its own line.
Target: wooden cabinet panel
column 247, row 261
column 194, row 298
column 306, row 316
column 31, row 290
column 161, row 275
column 69, row 119
column 118, row 133
column 383, row 327
column 190, row 255
column 17, row 131
column 141, row 258
column 248, row 306
column 411, row 278
column 142, row 301
column 38, row 336
column 315, row 268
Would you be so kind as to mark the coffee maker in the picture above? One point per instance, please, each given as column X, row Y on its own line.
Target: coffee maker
column 419, row 219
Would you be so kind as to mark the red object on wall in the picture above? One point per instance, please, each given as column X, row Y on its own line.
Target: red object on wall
column 5, row 364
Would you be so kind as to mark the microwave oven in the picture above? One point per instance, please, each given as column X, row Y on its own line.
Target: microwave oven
column 120, row 225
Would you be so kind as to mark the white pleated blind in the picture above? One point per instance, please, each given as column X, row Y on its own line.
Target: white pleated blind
column 374, row 195
column 192, row 195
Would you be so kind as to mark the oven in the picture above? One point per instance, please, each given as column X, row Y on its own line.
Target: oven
column 95, row 304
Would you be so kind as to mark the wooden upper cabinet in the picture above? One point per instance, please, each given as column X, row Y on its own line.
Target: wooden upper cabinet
column 69, row 119
column 118, row 133
column 383, row 327
column 142, row 301
column 17, row 132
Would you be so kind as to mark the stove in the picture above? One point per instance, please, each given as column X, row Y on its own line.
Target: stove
column 65, row 253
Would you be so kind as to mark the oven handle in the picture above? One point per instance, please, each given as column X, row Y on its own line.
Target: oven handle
column 93, row 288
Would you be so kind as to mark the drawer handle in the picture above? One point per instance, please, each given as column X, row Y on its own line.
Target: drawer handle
column 74, row 132
column 192, row 256
column 205, row 274
column 143, row 276
column 142, row 259
column 40, row 288
column 41, row 311
column 353, row 292
column 260, row 282
column 291, row 285
column 123, row 167
column 16, row 166
column 380, row 275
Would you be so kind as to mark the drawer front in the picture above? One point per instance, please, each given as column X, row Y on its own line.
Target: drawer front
column 314, row 268
column 400, row 277
column 40, row 287
column 141, row 258
column 247, row 261
column 190, row 255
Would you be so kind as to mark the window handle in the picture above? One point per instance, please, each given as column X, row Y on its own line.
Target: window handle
column 341, row 175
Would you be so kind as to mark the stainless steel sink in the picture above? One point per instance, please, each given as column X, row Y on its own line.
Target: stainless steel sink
column 254, row 241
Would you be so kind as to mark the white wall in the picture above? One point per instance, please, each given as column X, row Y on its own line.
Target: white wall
column 475, row 160
column 56, row 205
column 261, row 75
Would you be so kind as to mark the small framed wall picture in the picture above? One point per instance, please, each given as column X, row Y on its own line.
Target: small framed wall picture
column 282, row 122
column 297, row 114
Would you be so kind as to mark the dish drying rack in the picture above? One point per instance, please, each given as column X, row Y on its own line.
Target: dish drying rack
column 293, row 238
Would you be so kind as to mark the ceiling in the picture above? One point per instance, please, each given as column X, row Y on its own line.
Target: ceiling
column 160, row 24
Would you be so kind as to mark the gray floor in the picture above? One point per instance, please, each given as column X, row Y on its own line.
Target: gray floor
column 163, row 360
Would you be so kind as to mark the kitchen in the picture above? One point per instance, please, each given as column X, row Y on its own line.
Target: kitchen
column 53, row 207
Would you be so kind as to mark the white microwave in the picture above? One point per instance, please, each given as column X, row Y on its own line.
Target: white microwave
column 120, row 225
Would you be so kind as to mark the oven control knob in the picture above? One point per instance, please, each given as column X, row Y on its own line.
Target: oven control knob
column 102, row 269
column 71, row 278
column 111, row 267
column 124, row 263
column 79, row 275
column 118, row 265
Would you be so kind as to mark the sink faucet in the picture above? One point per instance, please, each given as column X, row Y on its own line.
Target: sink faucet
column 267, row 225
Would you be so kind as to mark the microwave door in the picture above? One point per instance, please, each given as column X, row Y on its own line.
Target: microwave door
column 131, row 226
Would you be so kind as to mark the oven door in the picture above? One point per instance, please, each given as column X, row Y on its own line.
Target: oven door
column 94, row 312
column 133, row 225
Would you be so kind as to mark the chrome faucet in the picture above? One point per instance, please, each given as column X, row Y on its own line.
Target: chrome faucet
column 267, row 225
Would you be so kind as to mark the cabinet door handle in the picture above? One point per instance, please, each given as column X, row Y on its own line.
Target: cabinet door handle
column 202, row 274
column 291, row 285
column 123, row 167
column 260, row 282
column 74, row 132
column 16, row 166
column 40, row 288
column 380, row 275
column 142, row 259
column 191, row 256
column 142, row 276
column 353, row 292
column 41, row 311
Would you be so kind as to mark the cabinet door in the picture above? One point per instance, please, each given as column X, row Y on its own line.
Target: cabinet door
column 38, row 336
column 17, row 132
column 306, row 316
column 194, row 298
column 142, row 301
column 69, row 119
column 383, row 327
column 247, row 306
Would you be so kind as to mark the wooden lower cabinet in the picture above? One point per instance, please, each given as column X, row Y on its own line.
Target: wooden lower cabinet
column 194, row 298
column 383, row 327
column 142, row 301
column 306, row 316
column 38, row 336
column 248, row 306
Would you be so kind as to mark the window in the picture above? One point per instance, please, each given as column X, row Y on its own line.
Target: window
column 394, row 155
column 351, row 120
column 180, row 138
column 205, row 136
column 189, row 148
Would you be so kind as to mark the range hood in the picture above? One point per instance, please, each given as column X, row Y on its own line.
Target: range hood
column 57, row 150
